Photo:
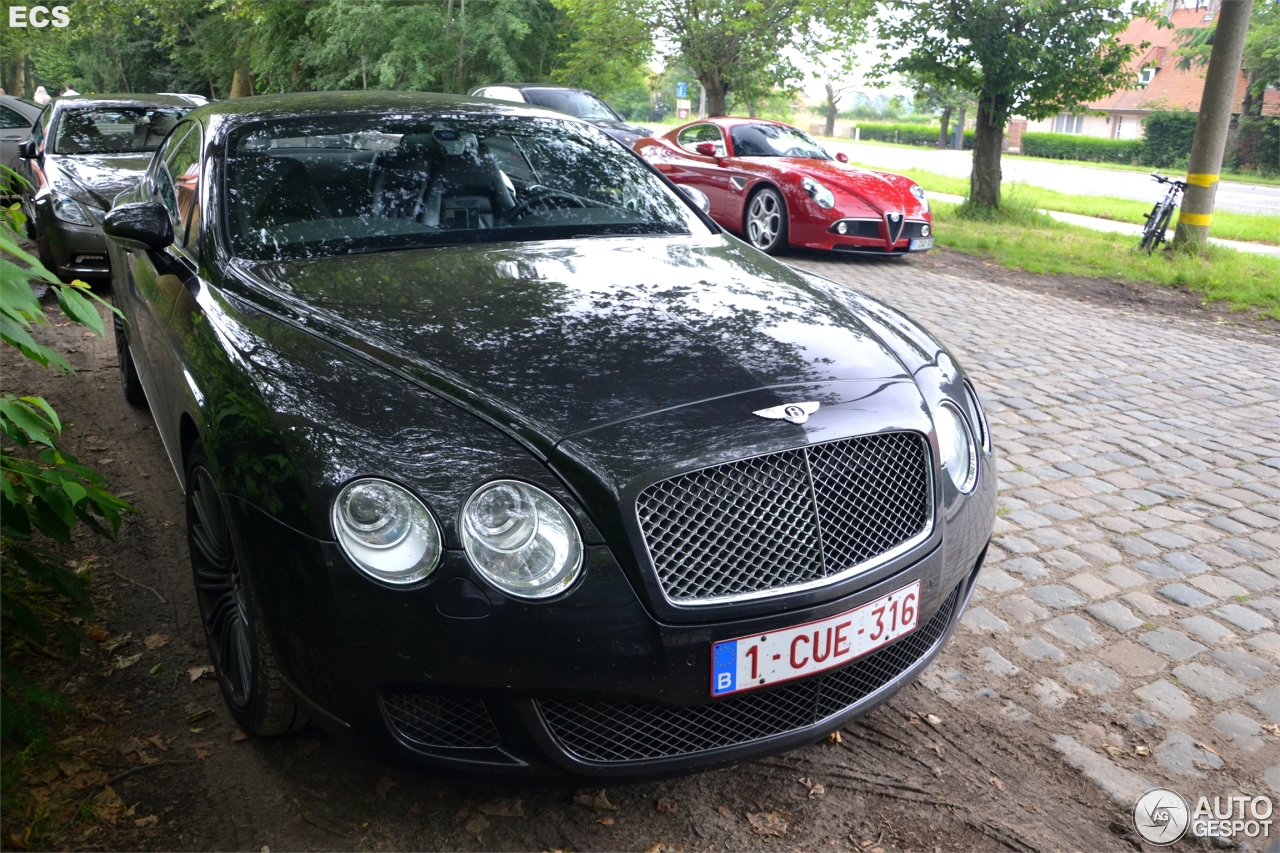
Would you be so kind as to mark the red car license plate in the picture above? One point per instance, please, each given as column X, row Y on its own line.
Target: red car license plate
column 761, row 659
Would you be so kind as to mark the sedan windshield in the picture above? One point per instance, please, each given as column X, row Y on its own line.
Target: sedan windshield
column 584, row 105
column 305, row 188
column 774, row 140
column 114, row 130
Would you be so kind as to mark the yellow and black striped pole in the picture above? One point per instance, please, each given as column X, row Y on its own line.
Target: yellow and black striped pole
column 1220, row 83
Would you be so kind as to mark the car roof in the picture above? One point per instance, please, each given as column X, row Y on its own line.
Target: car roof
column 523, row 86
column 26, row 108
column 364, row 102
column 124, row 99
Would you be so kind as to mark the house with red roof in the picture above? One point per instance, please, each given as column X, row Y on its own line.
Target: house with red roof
column 1158, row 82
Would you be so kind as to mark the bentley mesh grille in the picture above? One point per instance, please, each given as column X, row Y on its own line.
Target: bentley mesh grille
column 451, row 721
column 782, row 519
column 603, row 731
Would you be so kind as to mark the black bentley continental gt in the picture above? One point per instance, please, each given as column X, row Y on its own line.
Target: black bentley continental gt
column 500, row 454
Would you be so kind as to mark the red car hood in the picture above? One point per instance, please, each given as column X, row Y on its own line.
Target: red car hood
column 875, row 190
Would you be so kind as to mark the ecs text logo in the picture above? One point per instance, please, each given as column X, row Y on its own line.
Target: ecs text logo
column 38, row 16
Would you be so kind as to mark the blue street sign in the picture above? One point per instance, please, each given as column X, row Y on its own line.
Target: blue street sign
column 682, row 90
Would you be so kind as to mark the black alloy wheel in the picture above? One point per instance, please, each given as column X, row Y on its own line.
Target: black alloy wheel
column 129, row 380
column 251, row 682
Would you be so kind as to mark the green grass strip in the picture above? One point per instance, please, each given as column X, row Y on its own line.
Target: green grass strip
column 1251, row 227
column 1021, row 238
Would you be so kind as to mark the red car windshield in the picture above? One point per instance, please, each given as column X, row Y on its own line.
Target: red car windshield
column 773, row 140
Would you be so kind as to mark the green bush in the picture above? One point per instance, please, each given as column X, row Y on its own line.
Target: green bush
column 909, row 134
column 1073, row 146
column 1256, row 147
column 1166, row 138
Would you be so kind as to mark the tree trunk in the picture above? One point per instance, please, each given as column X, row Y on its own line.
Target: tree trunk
column 946, row 122
column 984, row 184
column 751, row 107
column 241, row 84
column 717, row 91
column 831, row 110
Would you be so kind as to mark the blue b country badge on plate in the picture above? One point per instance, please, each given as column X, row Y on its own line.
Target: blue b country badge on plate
column 724, row 667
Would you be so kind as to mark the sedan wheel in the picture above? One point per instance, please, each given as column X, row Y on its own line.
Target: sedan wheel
column 251, row 682
column 767, row 222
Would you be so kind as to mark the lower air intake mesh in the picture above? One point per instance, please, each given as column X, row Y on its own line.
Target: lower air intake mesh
column 451, row 721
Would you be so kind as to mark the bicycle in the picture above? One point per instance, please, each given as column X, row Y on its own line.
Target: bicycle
column 1158, row 219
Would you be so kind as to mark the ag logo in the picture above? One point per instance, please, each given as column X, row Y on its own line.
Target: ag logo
column 1161, row 816
column 796, row 413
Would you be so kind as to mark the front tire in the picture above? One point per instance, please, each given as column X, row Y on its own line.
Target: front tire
column 129, row 380
column 251, row 680
column 766, row 221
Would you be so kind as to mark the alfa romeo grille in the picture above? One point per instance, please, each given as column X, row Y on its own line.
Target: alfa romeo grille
column 770, row 522
column 451, row 721
column 602, row 731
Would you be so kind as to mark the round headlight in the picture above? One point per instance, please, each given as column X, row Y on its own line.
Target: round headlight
column 842, row 228
column 924, row 230
column 955, row 443
column 521, row 540
column 386, row 531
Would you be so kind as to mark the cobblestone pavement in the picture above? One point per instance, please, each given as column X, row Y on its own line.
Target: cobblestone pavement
column 1128, row 608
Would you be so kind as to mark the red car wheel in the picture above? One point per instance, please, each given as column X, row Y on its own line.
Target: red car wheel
column 766, row 221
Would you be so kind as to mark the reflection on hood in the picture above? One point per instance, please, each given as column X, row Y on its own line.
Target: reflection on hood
column 575, row 335
column 96, row 179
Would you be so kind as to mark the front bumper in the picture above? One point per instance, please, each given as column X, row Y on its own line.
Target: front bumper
column 455, row 675
column 79, row 251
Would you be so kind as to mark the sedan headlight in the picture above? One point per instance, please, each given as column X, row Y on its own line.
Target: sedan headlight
column 977, row 417
column 818, row 193
column 955, row 443
column 386, row 531
column 521, row 540
column 69, row 210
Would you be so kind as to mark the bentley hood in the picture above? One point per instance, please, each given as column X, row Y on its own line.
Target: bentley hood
column 98, row 178
column 562, row 338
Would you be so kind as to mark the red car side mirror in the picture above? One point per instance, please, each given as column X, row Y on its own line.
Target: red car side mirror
column 706, row 149
column 842, row 157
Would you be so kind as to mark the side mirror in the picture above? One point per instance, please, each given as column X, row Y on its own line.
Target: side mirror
column 698, row 197
column 842, row 157
column 143, row 225
column 27, row 149
column 706, row 149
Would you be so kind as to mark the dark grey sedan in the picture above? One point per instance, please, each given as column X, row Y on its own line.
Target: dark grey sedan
column 16, row 118
column 78, row 156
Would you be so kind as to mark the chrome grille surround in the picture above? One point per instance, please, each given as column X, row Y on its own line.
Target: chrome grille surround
column 787, row 521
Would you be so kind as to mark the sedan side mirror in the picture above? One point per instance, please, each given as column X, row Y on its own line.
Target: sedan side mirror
column 842, row 157
column 143, row 225
column 706, row 149
column 698, row 197
column 27, row 149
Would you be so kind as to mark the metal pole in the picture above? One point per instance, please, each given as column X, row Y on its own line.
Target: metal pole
column 1220, row 83
column 702, row 99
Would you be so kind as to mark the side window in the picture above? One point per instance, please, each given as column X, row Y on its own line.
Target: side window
column 690, row 137
column 37, row 129
column 177, row 184
column 11, row 119
column 502, row 93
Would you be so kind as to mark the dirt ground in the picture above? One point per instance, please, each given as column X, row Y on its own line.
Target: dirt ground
column 153, row 760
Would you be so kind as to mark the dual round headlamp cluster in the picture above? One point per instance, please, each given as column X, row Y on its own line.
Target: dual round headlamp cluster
column 517, row 536
column 960, row 435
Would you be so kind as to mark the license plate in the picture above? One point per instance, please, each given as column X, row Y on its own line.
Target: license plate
column 762, row 659
column 920, row 244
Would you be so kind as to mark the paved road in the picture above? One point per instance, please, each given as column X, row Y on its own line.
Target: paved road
column 1131, row 597
column 1063, row 177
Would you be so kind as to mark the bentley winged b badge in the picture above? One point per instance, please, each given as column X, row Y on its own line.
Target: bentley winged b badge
column 796, row 413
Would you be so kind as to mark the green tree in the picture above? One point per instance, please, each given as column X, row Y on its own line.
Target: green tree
column 1261, row 61
column 730, row 44
column 942, row 100
column 1019, row 57
column 45, row 494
